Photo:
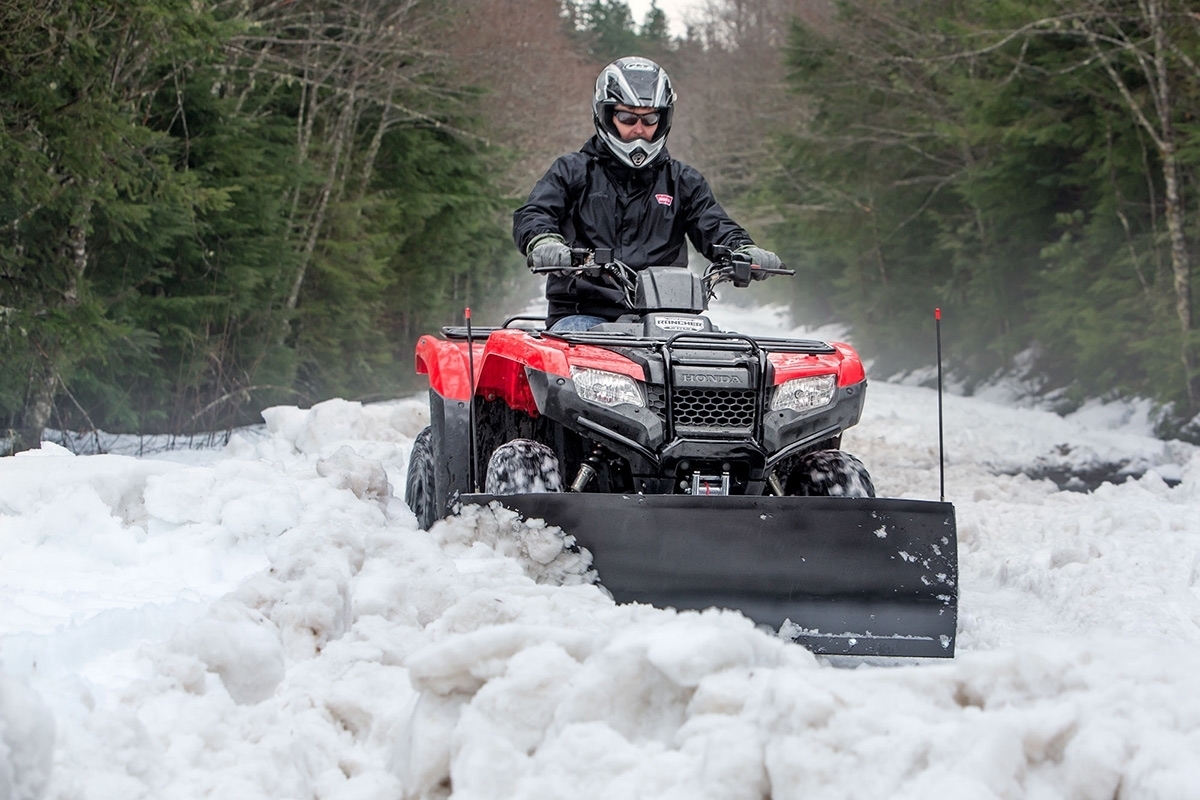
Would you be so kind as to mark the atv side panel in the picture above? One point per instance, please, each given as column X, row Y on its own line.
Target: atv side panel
column 861, row 576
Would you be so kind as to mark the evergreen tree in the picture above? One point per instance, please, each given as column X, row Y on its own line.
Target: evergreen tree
column 655, row 31
column 200, row 219
column 80, row 170
column 608, row 31
column 869, row 188
column 1019, row 163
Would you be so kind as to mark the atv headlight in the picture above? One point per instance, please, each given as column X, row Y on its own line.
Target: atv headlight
column 802, row 394
column 606, row 388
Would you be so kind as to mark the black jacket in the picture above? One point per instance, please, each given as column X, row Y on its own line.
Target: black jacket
column 644, row 215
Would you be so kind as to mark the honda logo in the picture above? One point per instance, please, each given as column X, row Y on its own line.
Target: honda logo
column 724, row 379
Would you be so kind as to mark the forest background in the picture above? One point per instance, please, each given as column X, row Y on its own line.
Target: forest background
column 208, row 208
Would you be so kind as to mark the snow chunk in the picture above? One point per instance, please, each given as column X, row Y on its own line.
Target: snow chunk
column 363, row 476
column 239, row 645
column 543, row 551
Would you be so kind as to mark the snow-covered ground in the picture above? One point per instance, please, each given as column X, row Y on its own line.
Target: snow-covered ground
column 265, row 621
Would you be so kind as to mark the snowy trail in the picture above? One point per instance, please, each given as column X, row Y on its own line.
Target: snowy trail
column 267, row 622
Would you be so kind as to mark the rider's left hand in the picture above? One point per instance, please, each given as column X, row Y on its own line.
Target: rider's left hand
column 761, row 259
column 549, row 250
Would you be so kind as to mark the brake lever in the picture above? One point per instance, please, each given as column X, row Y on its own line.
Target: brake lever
column 571, row 270
column 756, row 271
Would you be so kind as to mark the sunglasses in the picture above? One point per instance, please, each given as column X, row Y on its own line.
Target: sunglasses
column 649, row 119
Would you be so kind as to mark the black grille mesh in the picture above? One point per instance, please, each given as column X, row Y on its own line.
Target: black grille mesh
column 714, row 409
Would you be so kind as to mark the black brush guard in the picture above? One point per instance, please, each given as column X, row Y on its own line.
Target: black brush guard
column 855, row 576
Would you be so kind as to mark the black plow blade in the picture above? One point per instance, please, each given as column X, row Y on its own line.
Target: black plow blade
column 852, row 576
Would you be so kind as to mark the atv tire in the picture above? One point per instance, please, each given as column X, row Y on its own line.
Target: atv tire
column 829, row 473
column 523, row 466
column 418, row 489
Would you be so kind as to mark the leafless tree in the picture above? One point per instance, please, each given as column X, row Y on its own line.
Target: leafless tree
column 348, row 58
column 730, row 75
column 536, row 81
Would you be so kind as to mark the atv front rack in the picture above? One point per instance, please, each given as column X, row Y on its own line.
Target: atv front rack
column 852, row 576
column 694, row 341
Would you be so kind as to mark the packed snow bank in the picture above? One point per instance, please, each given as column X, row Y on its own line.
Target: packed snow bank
column 26, row 741
column 269, row 622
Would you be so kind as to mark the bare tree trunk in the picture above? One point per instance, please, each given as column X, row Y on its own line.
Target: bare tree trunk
column 76, row 251
column 39, row 405
column 1180, row 262
column 317, row 221
column 368, row 166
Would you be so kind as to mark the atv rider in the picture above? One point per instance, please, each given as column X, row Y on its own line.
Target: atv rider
column 622, row 190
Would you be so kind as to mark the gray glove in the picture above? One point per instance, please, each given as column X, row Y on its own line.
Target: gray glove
column 764, row 259
column 549, row 250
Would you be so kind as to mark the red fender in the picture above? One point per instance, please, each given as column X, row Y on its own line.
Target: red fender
column 446, row 365
column 500, row 363
column 845, row 363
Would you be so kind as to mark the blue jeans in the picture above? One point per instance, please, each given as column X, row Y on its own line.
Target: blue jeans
column 576, row 323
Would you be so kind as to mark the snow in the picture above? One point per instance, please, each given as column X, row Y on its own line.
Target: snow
column 266, row 621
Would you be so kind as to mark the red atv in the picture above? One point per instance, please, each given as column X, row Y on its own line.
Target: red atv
column 699, row 467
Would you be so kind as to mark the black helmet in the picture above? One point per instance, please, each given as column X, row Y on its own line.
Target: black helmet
column 637, row 83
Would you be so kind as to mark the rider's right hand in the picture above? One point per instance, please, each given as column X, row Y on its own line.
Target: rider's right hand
column 549, row 250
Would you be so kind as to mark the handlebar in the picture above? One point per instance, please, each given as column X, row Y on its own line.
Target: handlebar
column 726, row 267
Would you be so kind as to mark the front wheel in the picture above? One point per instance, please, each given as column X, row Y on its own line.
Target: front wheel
column 829, row 473
column 522, row 466
column 418, row 489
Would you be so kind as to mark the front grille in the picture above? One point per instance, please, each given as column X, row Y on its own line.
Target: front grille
column 705, row 410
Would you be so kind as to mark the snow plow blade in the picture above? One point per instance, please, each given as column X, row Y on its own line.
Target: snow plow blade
column 855, row 576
